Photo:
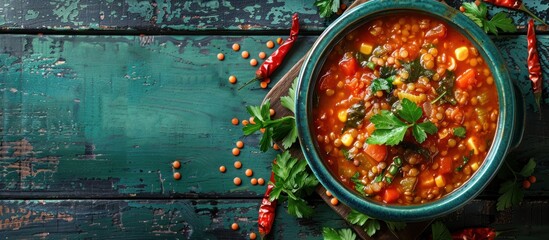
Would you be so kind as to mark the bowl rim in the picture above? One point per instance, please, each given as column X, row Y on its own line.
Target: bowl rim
column 502, row 138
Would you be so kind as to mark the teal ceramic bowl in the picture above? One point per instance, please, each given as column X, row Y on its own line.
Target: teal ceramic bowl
column 507, row 135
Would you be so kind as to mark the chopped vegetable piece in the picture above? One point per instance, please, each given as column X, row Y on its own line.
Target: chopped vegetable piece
column 390, row 195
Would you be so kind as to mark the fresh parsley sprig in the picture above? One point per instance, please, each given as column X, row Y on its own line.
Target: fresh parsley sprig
column 327, row 7
column 341, row 234
column 282, row 129
column 293, row 182
column 391, row 127
column 440, row 231
column 479, row 15
column 510, row 190
column 370, row 225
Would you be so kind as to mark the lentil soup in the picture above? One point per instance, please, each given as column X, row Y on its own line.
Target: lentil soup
column 407, row 109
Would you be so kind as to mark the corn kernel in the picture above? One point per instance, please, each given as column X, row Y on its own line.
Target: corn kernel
column 347, row 139
column 440, row 181
column 342, row 115
column 474, row 166
column 473, row 143
column 366, row 48
column 462, row 53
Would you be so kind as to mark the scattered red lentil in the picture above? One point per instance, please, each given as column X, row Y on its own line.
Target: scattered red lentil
column 279, row 41
column 268, row 80
column 262, row 55
column 251, row 119
column 461, row 9
column 220, row 56
column 334, row 201
column 532, row 179
column 328, row 193
column 236, row 47
column 263, row 84
column 249, row 172
column 232, row 79
column 270, row 44
column 245, row 122
column 236, row 151
column 271, row 112
column 177, row 175
column 253, row 181
column 261, row 181
column 240, row 144
column 237, row 164
column 176, row 164
column 237, row 181
column 245, row 54
column 275, row 146
column 234, row 121
column 234, row 226
column 526, row 184
column 343, row 6
column 262, row 130
column 222, row 169
column 253, row 236
column 253, row 62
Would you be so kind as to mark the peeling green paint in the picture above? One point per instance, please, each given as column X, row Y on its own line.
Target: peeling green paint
column 67, row 10
column 31, row 14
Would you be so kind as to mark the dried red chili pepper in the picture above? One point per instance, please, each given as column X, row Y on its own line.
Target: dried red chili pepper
column 534, row 67
column 514, row 4
column 475, row 234
column 276, row 58
column 267, row 211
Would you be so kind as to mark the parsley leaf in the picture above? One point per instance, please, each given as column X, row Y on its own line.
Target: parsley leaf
column 327, row 7
column 359, row 186
column 511, row 194
column 528, row 169
column 415, row 70
column 460, row 132
column 440, row 232
column 387, row 71
column 293, row 182
column 370, row 225
column 390, row 130
column 355, row 115
column 342, row 234
column 283, row 129
column 381, row 84
column 289, row 101
column 479, row 15
column 395, row 226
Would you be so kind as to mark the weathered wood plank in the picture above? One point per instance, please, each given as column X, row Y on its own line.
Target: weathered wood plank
column 104, row 116
column 211, row 219
column 180, row 16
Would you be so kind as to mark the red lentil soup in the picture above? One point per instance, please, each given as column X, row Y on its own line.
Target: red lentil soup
column 407, row 109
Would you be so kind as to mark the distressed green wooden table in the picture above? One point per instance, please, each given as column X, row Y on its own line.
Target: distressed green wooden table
column 99, row 97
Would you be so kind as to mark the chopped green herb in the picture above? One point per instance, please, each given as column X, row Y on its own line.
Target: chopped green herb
column 382, row 84
column 355, row 115
column 387, row 71
column 390, row 130
column 415, row 70
column 359, row 186
column 346, row 154
column 465, row 161
column 460, row 132
column 371, row 65
column 445, row 89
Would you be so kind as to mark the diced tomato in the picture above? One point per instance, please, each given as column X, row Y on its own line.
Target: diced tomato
column 467, row 79
column 445, row 165
column 426, row 179
column 348, row 64
column 438, row 31
column 377, row 152
column 390, row 195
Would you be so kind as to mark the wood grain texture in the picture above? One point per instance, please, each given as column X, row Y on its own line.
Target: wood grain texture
column 172, row 16
column 212, row 218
